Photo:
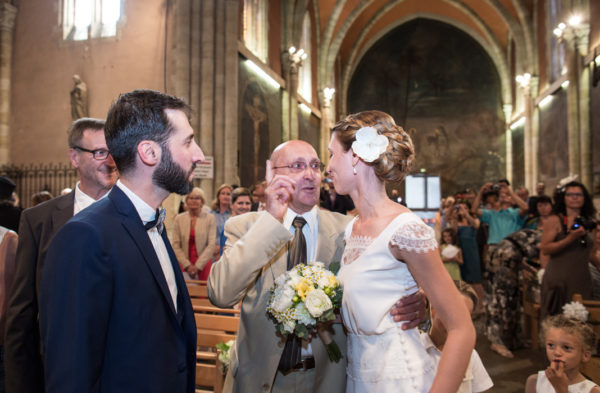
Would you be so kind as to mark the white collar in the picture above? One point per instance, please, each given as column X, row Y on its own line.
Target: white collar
column 83, row 200
column 310, row 217
column 145, row 211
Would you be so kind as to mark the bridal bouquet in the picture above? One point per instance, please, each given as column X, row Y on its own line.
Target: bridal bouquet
column 302, row 298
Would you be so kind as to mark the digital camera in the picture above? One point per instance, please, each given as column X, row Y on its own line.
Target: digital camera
column 589, row 224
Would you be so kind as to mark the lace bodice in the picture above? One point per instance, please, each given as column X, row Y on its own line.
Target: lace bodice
column 414, row 236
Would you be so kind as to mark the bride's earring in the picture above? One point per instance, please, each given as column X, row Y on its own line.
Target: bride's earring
column 354, row 171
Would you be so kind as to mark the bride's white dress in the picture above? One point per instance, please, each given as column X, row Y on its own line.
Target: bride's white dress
column 381, row 356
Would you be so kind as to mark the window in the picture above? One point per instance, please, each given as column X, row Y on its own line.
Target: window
column 84, row 19
column 255, row 27
column 305, row 72
column 557, row 51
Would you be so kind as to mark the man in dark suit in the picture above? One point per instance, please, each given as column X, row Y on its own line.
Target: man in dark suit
column 97, row 172
column 115, row 315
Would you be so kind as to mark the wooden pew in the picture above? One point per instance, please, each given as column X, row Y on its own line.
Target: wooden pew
column 531, row 315
column 214, row 325
column 198, row 292
column 591, row 369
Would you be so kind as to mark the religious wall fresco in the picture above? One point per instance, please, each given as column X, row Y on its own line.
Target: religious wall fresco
column 260, row 124
column 553, row 141
column 441, row 86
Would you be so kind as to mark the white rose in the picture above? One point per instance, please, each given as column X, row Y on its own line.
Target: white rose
column 317, row 302
column 318, row 265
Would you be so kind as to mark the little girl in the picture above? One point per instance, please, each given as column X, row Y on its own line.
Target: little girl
column 569, row 342
column 451, row 253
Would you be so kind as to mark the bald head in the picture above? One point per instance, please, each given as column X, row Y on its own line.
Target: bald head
column 307, row 181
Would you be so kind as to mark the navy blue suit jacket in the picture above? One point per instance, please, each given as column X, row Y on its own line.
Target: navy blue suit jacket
column 107, row 318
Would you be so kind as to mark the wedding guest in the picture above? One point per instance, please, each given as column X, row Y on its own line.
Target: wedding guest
column 194, row 234
column 240, row 201
column 568, row 238
column 40, row 197
column 221, row 210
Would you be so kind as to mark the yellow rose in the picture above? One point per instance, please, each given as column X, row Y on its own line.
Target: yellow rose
column 303, row 287
column 332, row 282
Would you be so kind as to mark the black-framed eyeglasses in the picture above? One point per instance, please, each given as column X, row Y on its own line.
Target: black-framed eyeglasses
column 300, row 166
column 98, row 154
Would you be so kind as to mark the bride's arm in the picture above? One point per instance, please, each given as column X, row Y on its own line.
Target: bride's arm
column 426, row 267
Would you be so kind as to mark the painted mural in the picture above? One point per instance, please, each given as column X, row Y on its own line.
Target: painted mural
column 441, row 86
column 260, row 124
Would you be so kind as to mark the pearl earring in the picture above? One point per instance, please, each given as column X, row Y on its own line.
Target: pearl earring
column 354, row 170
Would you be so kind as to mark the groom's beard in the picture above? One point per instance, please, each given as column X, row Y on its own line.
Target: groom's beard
column 170, row 176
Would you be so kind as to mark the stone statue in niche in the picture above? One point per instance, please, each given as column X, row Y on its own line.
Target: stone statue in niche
column 79, row 98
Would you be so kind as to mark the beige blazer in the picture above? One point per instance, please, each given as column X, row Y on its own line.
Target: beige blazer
column 254, row 256
column 206, row 233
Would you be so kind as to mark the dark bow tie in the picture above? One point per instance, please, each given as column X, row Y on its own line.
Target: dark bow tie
column 158, row 222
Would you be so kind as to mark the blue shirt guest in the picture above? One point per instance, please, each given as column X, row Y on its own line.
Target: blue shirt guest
column 115, row 315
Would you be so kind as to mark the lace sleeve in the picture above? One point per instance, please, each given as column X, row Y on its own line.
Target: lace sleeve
column 414, row 237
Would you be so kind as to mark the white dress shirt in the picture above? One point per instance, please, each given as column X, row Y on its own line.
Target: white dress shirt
column 147, row 214
column 82, row 200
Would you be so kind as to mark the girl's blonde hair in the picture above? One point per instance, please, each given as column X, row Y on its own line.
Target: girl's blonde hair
column 572, row 326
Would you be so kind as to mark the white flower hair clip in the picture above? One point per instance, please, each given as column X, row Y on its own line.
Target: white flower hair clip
column 575, row 310
column 369, row 145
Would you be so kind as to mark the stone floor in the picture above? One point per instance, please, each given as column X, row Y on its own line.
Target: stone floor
column 508, row 375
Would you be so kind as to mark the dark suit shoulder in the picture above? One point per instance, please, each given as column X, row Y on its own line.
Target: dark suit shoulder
column 41, row 211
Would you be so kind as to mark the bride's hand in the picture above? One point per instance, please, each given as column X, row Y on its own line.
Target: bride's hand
column 410, row 309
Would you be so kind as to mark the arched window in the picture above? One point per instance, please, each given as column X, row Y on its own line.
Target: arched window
column 84, row 19
column 557, row 50
column 305, row 72
column 255, row 27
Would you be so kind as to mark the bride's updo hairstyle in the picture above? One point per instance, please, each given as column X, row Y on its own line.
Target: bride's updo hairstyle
column 393, row 164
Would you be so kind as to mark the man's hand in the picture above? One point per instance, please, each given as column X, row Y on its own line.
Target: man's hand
column 411, row 309
column 557, row 377
column 278, row 193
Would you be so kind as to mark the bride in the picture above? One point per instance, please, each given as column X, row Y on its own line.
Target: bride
column 389, row 253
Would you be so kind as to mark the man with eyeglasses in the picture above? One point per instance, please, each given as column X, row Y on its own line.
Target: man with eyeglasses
column 256, row 253
column 97, row 174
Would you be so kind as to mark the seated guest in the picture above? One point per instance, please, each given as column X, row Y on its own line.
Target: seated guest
column 194, row 233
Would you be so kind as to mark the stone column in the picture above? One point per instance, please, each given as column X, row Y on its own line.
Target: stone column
column 8, row 13
column 325, row 97
column 509, row 164
column 292, row 61
column 535, row 133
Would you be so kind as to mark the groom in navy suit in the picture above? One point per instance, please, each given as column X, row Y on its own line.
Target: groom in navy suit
column 115, row 314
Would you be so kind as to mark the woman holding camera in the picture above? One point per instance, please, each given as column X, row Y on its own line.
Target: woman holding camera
column 568, row 237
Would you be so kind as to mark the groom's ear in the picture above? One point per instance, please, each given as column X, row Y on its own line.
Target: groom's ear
column 149, row 152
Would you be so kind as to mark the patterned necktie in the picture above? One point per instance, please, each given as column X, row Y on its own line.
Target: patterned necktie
column 297, row 254
column 158, row 222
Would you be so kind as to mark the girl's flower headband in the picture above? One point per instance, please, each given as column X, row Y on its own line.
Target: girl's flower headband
column 575, row 310
column 369, row 145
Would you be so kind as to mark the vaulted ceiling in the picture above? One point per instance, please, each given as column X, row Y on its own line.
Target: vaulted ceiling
column 348, row 28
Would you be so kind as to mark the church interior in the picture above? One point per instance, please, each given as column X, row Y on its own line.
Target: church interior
column 487, row 89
